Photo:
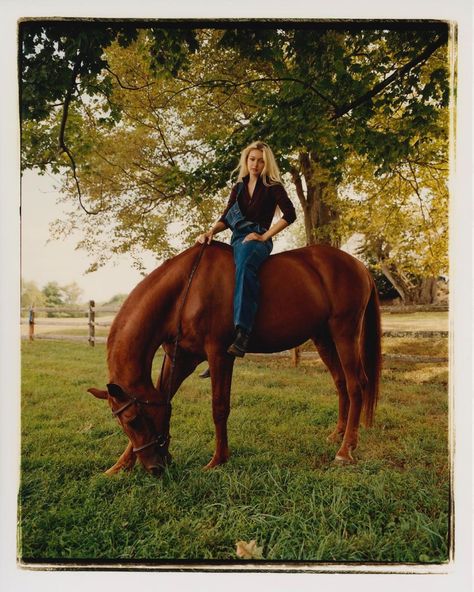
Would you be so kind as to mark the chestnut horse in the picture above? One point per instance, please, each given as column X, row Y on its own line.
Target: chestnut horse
column 185, row 305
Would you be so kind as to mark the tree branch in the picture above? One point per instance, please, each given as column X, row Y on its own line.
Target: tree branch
column 226, row 83
column 160, row 131
column 137, row 182
column 63, row 148
column 124, row 86
column 423, row 56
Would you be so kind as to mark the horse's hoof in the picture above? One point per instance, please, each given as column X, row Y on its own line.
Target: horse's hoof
column 335, row 437
column 341, row 461
column 116, row 469
column 210, row 465
column 344, row 458
column 213, row 463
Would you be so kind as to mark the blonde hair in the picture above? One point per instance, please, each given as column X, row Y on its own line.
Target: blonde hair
column 270, row 174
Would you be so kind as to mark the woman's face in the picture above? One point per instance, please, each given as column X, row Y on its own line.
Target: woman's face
column 255, row 162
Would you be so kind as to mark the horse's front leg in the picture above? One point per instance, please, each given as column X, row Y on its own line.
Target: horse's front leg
column 221, row 365
column 126, row 462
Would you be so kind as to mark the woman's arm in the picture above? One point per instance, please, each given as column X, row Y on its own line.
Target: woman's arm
column 272, row 231
column 220, row 225
column 207, row 236
column 275, row 229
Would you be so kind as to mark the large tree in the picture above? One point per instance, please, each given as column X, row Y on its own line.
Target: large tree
column 328, row 92
column 153, row 121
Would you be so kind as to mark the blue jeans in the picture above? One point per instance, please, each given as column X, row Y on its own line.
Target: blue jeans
column 248, row 258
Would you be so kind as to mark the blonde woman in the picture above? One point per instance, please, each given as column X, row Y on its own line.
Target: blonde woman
column 249, row 214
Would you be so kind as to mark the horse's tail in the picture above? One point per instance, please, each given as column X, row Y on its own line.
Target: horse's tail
column 372, row 354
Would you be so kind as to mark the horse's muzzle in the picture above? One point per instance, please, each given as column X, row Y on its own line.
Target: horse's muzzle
column 156, row 469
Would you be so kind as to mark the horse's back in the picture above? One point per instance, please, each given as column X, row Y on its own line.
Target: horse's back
column 317, row 272
column 299, row 291
column 323, row 271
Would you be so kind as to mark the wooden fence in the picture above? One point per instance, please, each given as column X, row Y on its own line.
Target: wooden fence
column 91, row 318
column 66, row 314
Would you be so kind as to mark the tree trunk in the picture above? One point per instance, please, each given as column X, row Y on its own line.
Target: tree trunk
column 413, row 291
column 428, row 291
column 318, row 198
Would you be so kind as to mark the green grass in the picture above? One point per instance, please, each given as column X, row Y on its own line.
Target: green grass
column 279, row 487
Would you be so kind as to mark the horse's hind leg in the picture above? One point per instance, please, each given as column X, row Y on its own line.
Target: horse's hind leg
column 328, row 353
column 346, row 335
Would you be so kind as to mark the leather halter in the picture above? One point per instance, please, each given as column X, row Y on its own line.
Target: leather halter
column 161, row 440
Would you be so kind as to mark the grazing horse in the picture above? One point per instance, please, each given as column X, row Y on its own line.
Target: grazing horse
column 185, row 305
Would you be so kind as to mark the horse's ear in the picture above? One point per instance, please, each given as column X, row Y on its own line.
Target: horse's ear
column 98, row 393
column 116, row 391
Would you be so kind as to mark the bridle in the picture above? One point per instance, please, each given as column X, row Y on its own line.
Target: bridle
column 161, row 441
column 179, row 328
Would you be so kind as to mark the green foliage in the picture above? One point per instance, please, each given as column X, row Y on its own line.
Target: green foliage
column 50, row 51
column 170, row 49
column 54, row 295
column 403, row 215
column 160, row 115
column 116, row 300
column 50, row 296
column 319, row 72
column 31, row 295
column 279, row 486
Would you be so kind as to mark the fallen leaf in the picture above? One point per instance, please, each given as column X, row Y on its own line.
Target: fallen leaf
column 249, row 550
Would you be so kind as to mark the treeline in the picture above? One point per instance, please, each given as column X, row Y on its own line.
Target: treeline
column 54, row 295
column 50, row 295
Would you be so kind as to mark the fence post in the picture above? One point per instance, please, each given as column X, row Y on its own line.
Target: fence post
column 31, row 323
column 91, row 323
column 295, row 356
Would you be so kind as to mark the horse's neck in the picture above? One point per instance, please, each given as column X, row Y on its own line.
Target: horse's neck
column 145, row 321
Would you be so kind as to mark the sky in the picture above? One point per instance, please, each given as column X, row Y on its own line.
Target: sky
column 44, row 260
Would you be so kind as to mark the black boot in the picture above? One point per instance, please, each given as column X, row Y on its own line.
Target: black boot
column 239, row 347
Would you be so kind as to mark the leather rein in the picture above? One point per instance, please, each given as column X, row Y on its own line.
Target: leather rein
column 162, row 440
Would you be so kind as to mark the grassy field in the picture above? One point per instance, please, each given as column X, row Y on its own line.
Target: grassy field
column 280, row 486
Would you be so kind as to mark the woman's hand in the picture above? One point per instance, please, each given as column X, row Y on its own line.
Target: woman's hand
column 206, row 237
column 254, row 236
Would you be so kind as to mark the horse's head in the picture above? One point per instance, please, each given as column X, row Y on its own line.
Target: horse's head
column 146, row 423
